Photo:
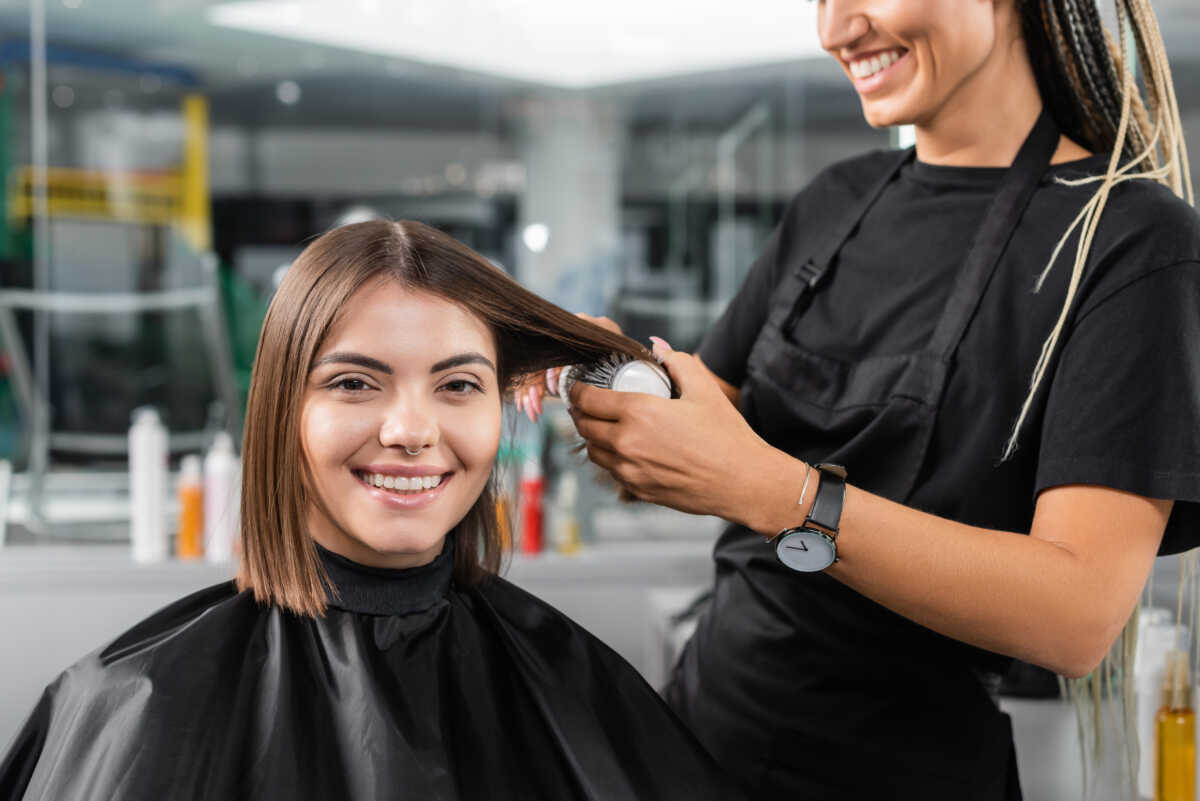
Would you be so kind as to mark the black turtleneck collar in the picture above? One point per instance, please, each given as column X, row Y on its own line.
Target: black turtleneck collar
column 388, row 591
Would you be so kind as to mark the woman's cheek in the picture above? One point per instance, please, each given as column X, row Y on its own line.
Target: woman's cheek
column 332, row 433
column 475, row 436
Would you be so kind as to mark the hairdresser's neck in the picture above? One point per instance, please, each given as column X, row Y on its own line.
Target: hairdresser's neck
column 987, row 117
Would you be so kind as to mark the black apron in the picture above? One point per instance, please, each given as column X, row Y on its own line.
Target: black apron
column 769, row 682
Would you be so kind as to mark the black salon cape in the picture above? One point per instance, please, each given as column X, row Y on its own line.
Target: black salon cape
column 784, row 665
column 485, row 694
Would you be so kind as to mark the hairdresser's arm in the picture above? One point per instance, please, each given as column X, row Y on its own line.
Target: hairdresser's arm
column 1057, row 597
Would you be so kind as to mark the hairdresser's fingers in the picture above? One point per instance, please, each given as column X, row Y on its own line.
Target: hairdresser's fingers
column 605, row 404
column 597, row 432
column 536, row 397
column 604, row 459
column 552, row 380
column 691, row 378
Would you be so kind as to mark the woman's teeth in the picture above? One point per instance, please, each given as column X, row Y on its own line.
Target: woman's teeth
column 400, row 483
column 865, row 68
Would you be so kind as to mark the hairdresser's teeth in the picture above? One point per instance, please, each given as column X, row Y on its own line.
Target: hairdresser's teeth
column 408, row 483
column 867, row 67
column 427, row 482
column 436, row 481
column 377, row 480
column 389, row 483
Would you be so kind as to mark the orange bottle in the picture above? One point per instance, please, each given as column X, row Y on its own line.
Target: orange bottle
column 1175, row 746
column 190, row 542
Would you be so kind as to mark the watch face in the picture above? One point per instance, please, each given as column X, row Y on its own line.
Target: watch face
column 805, row 550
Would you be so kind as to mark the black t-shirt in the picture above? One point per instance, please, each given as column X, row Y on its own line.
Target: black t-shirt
column 1121, row 404
column 785, row 664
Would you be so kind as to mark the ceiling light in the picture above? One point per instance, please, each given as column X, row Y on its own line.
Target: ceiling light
column 63, row 96
column 547, row 41
column 288, row 92
column 536, row 236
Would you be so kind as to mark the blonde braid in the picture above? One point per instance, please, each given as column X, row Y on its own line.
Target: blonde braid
column 1167, row 133
column 1148, row 136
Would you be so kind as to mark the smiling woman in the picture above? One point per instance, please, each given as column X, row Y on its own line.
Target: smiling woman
column 385, row 355
column 371, row 651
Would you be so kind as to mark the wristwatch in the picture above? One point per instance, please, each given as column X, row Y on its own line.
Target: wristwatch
column 812, row 545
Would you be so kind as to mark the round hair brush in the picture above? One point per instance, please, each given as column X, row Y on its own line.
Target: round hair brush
column 620, row 372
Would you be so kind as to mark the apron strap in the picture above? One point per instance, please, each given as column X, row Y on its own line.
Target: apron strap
column 1003, row 215
column 817, row 266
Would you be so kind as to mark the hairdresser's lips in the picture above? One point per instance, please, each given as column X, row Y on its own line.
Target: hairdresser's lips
column 880, row 79
column 407, row 500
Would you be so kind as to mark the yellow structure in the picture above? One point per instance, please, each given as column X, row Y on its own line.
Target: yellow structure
column 162, row 197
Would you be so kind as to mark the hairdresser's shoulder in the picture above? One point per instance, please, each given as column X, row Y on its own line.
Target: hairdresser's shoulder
column 840, row 185
column 1150, row 211
column 1146, row 232
column 1146, row 229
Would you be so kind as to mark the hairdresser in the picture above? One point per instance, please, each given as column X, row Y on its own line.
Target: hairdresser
column 953, row 413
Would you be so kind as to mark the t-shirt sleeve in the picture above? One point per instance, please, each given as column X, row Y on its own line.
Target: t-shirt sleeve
column 1123, row 409
column 727, row 345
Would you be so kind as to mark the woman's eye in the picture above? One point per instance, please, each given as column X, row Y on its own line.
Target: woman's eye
column 349, row 384
column 461, row 387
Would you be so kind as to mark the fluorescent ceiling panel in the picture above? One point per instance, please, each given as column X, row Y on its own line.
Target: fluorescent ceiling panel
column 565, row 43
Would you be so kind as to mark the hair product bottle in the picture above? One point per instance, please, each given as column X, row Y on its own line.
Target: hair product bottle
column 533, row 486
column 222, row 490
column 566, row 528
column 148, row 486
column 189, row 543
column 1175, row 743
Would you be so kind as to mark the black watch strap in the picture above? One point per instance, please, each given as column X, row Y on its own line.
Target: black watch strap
column 831, row 493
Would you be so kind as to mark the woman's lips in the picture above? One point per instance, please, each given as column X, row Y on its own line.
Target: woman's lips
column 399, row 499
column 875, row 81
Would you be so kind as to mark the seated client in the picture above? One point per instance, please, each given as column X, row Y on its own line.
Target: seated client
column 367, row 649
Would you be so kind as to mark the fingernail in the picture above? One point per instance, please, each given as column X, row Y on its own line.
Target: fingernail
column 661, row 344
column 552, row 381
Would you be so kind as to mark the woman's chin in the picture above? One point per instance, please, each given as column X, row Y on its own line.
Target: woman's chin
column 396, row 550
column 882, row 114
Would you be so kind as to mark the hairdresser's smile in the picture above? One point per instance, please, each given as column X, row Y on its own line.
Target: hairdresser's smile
column 908, row 60
column 870, row 71
column 400, row 424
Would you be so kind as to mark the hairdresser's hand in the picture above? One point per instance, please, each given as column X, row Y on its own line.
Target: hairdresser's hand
column 695, row 453
column 529, row 393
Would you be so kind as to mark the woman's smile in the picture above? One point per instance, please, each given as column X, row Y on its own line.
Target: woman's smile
column 398, row 491
column 871, row 71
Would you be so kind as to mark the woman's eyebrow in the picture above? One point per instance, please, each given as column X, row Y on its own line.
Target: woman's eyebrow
column 346, row 357
column 461, row 359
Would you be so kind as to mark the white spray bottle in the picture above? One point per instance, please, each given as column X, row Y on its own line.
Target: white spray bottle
column 148, row 486
column 222, row 496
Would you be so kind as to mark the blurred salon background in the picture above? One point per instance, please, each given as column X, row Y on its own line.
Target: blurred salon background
column 162, row 162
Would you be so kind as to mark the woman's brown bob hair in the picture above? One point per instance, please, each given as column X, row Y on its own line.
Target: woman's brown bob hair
column 279, row 561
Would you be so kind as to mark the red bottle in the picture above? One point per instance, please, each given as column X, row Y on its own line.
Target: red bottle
column 532, row 488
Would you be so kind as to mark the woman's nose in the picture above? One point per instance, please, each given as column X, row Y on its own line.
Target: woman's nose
column 841, row 23
column 410, row 426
